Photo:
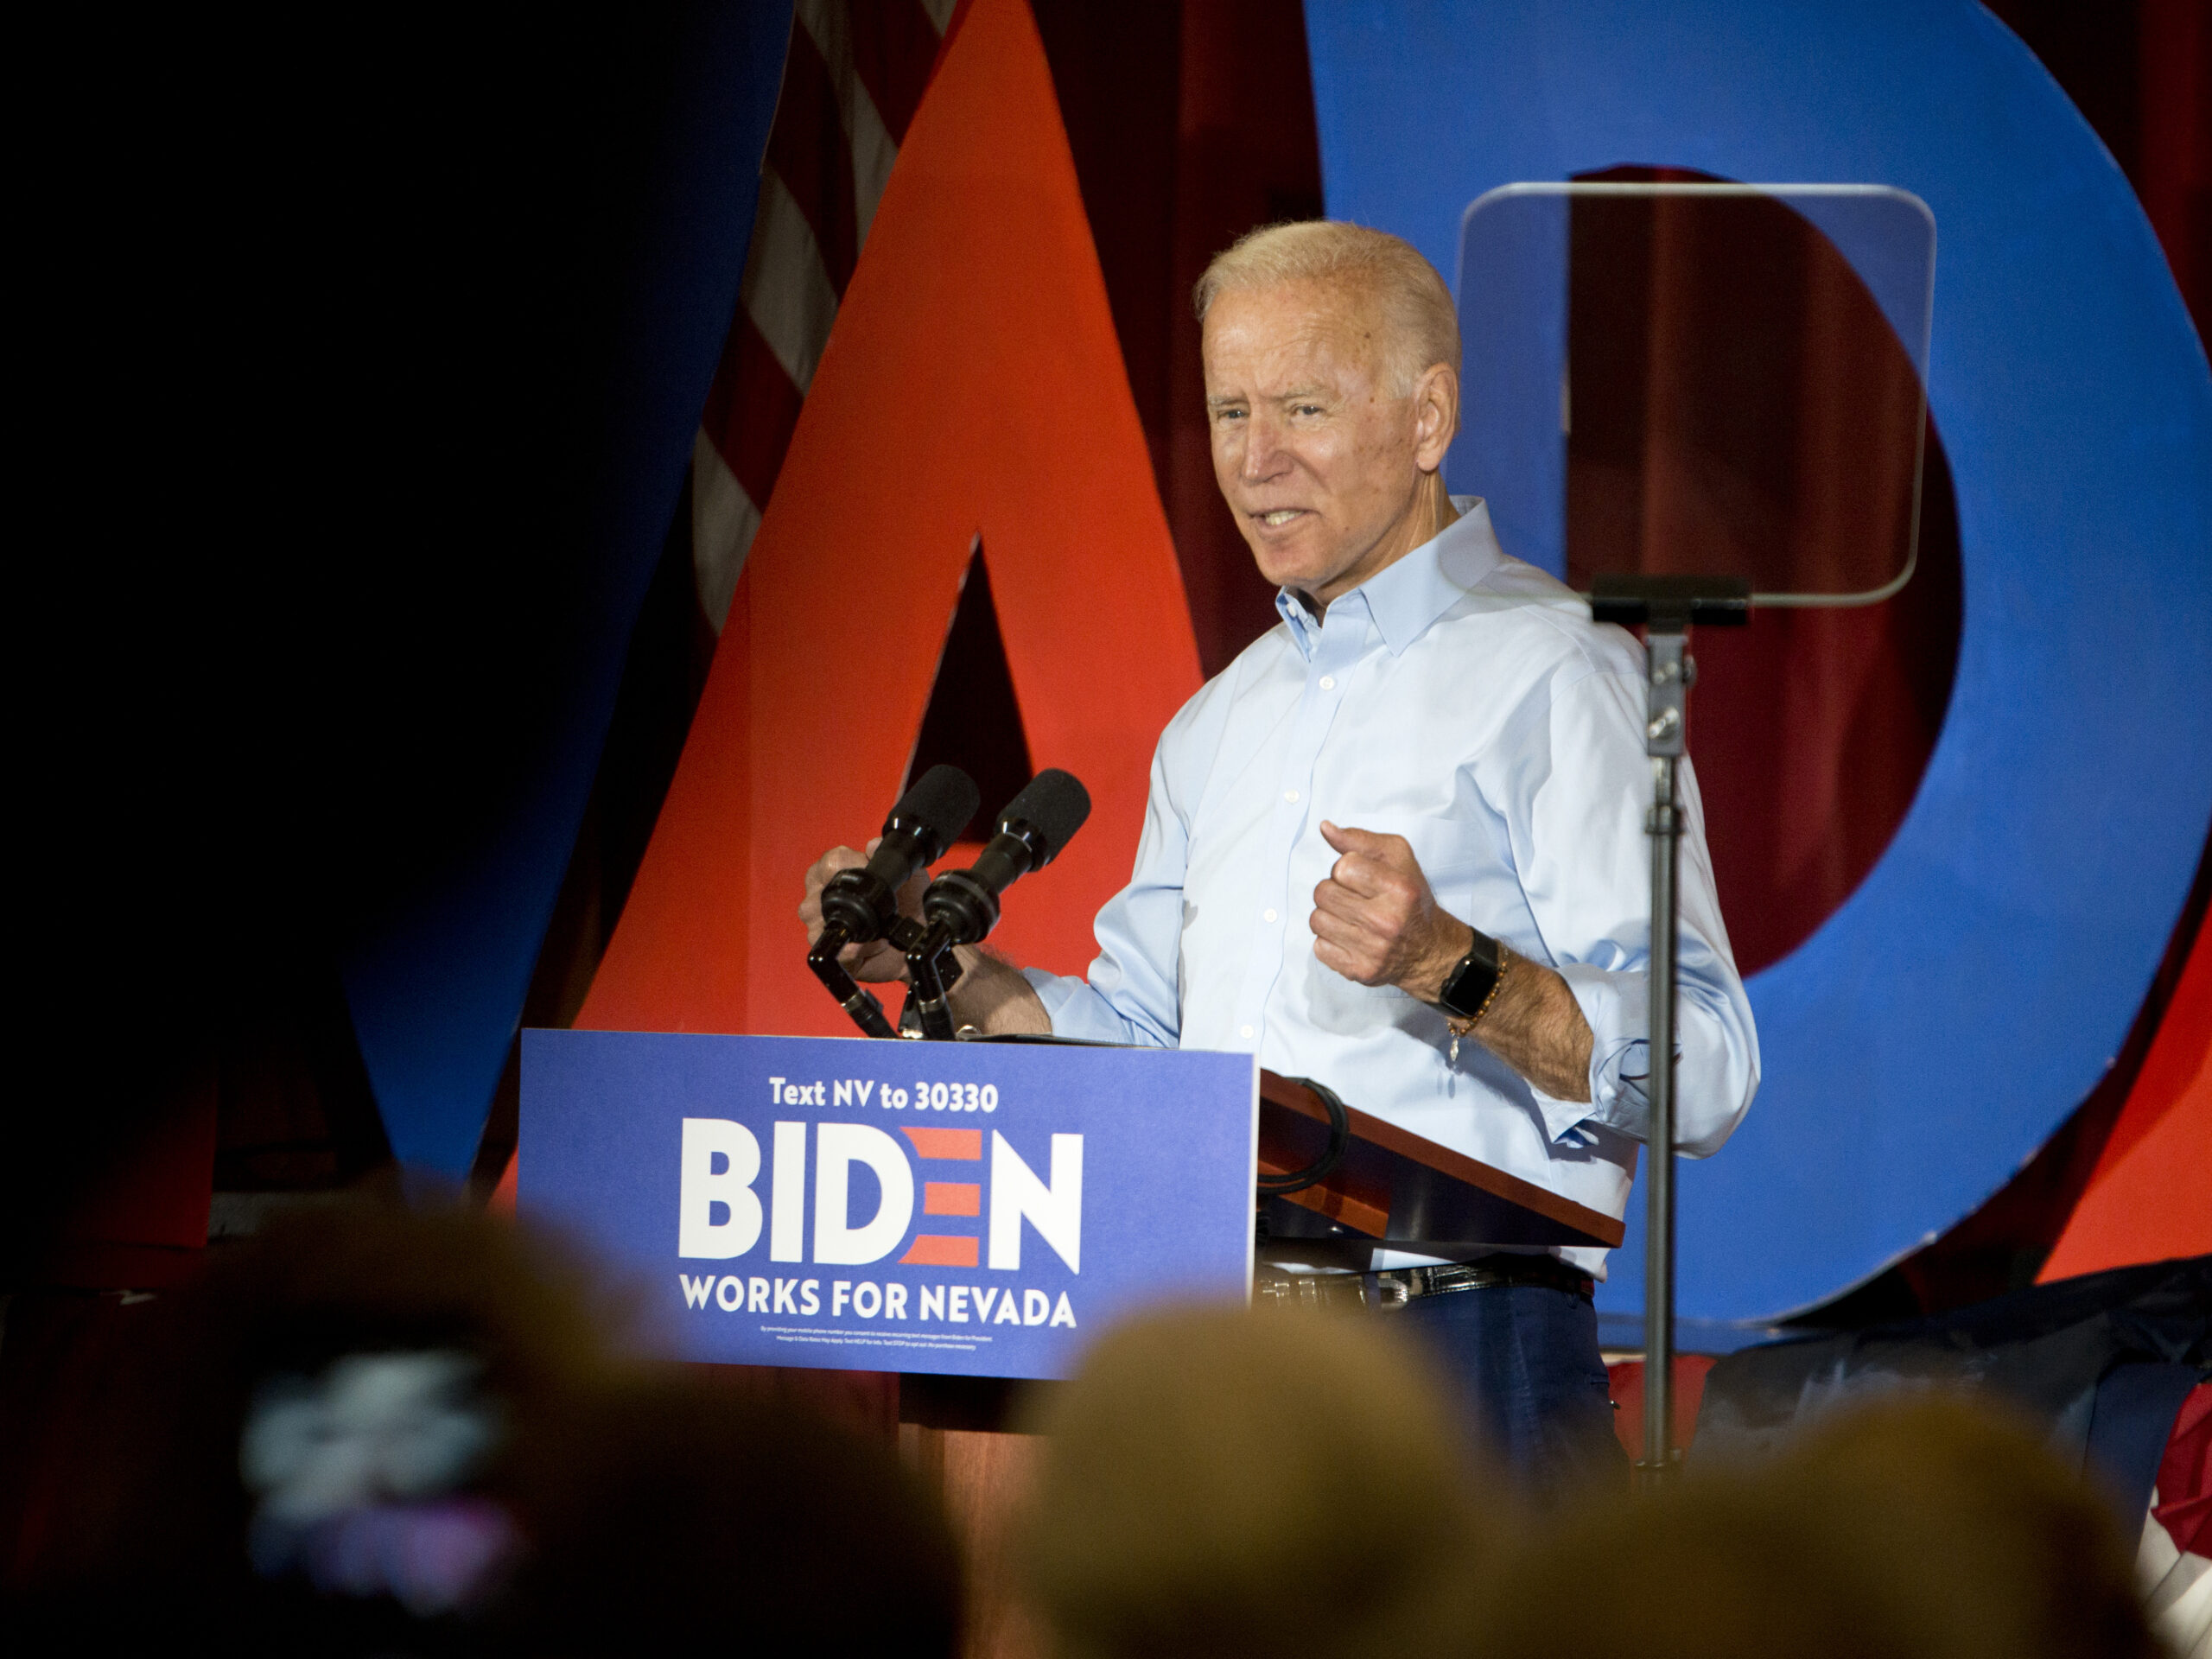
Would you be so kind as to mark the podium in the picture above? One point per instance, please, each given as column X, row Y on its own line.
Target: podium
column 1394, row 1192
column 961, row 1209
column 972, row 1209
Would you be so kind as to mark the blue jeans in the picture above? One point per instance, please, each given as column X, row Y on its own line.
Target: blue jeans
column 1525, row 1359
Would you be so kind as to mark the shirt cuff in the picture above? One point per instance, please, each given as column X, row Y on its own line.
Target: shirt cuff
column 1077, row 1010
column 1617, row 1007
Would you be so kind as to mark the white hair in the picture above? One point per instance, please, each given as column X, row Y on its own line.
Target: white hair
column 1421, row 324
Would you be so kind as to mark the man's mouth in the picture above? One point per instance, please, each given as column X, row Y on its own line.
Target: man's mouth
column 1280, row 517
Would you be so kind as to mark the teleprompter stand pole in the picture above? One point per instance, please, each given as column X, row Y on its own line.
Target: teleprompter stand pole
column 1665, row 606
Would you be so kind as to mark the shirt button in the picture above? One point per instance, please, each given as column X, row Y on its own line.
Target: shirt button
column 1328, row 682
column 1290, row 794
column 1267, row 915
column 1244, row 1032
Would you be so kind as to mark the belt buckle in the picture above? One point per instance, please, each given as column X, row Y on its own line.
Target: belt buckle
column 1449, row 1277
column 1309, row 1291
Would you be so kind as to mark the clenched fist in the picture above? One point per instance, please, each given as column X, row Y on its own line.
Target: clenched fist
column 1375, row 921
column 876, row 960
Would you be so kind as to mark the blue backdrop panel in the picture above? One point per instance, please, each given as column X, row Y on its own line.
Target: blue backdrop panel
column 436, row 996
column 1934, row 1030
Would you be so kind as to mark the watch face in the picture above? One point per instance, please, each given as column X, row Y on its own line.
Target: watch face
column 1472, row 980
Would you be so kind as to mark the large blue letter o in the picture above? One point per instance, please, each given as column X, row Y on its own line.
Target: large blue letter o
column 1940, row 1024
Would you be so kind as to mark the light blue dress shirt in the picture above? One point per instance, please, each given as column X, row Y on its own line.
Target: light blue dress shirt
column 1465, row 701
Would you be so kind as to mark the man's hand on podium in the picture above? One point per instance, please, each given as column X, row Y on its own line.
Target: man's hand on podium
column 991, row 995
column 876, row 960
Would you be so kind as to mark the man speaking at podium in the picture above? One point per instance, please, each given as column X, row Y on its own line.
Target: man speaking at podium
column 1398, row 847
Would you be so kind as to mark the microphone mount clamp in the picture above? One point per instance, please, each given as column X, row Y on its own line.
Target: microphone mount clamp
column 932, row 966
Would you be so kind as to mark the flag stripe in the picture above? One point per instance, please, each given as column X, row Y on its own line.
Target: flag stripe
column 894, row 48
column 869, row 142
column 754, row 445
column 854, row 74
column 787, row 292
column 807, row 147
column 724, row 523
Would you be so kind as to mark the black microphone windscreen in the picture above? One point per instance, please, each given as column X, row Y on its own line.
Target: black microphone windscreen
column 1054, row 804
column 945, row 798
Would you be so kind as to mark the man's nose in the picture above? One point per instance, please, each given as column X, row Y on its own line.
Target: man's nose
column 1263, row 455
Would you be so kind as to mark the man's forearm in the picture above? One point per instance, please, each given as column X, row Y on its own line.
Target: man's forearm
column 1536, row 1027
column 1534, row 1024
column 1376, row 921
column 992, row 997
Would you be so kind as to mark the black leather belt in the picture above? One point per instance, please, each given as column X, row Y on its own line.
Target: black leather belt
column 1548, row 1271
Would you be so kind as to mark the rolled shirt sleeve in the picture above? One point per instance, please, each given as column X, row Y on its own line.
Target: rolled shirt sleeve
column 1575, row 796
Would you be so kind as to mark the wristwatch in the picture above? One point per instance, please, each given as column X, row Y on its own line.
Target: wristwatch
column 1471, row 986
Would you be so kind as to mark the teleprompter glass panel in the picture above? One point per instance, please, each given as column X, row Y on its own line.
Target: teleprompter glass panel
column 1699, row 380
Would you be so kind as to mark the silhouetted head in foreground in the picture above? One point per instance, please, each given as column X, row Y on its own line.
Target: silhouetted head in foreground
column 1929, row 1530
column 1223, row 1484
column 696, row 1520
column 379, row 1429
column 329, row 1440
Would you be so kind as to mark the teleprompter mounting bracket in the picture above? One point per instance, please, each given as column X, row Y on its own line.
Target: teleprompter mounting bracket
column 1670, row 604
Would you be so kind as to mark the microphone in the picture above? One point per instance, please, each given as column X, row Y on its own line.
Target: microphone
column 863, row 905
column 1036, row 824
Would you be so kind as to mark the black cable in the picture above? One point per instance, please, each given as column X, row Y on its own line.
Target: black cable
column 1321, row 1168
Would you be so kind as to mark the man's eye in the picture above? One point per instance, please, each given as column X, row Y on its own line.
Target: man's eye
column 1307, row 409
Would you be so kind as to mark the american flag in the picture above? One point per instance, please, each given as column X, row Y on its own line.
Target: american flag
column 852, row 79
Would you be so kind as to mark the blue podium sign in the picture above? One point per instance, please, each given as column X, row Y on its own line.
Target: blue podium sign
column 978, row 1209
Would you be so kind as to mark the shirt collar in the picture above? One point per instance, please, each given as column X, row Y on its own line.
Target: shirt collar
column 1403, row 598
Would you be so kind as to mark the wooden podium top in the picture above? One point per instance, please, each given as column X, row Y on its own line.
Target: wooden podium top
column 1395, row 1189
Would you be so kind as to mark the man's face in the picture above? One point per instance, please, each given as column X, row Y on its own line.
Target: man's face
column 1317, row 458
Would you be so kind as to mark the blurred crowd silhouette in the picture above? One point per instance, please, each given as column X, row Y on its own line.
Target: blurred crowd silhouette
column 379, row 1429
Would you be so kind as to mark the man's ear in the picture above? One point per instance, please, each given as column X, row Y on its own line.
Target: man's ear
column 1436, row 415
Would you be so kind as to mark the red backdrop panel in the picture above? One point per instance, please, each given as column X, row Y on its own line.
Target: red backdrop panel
column 973, row 386
column 2150, row 1197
